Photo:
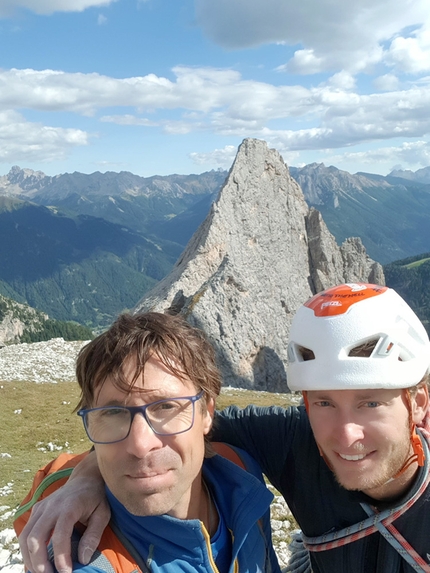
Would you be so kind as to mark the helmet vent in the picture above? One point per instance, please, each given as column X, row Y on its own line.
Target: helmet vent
column 305, row 353
column 365, row 349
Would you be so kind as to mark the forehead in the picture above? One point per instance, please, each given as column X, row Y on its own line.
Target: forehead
column 347, row 396
column 156, row 381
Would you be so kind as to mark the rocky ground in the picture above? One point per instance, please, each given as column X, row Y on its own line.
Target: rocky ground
column 53, row 361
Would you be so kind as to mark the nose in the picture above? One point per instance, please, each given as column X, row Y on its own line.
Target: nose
column 348, row 432
column 141, row 438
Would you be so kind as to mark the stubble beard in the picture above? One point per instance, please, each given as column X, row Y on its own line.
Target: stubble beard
column 367, row 481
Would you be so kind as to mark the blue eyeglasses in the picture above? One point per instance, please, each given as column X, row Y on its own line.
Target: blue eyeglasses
column 110, row 424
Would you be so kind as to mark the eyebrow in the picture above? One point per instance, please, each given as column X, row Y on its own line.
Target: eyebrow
column 362, row 396
column 156, row 396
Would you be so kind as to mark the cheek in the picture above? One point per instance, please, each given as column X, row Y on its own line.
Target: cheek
column 108, row 458
column 322, row 424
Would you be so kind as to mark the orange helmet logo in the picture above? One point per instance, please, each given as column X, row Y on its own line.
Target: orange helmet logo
column 337, row 300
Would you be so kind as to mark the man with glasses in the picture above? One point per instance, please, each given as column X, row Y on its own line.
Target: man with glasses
column 148, row 390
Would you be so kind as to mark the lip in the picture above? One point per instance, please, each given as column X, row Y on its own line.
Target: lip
column 149, row 482
column 354, row 458
column 147, row 475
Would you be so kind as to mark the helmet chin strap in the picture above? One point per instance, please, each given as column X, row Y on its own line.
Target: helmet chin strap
column 417, row 447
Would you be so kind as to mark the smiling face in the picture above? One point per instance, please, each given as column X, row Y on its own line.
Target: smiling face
column 151, row 474
column 364, row 436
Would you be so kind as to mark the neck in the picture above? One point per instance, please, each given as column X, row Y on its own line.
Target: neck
column 211, row 517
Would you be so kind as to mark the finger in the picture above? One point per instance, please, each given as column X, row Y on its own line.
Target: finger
column 61, row 545
column 92, row 535
column 32, row 542
column 37, row 560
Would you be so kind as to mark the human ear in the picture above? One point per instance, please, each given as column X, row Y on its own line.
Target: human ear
column 420, row 404
column 208, row 416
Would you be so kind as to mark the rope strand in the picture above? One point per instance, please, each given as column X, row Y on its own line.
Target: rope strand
column 382, row 521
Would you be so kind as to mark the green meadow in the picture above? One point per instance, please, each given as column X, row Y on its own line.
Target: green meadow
column 38, row 422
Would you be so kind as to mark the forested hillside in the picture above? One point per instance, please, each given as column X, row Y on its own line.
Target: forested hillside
column 77, row 268
column 410, row 277
column 21, row 323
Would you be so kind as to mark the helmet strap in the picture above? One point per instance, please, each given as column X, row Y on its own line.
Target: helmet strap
column 418, row 455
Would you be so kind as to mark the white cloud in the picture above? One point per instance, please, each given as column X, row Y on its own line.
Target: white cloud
column 411, row 54
column 8, row 7
column 101, row 20
column 412, row 153
column 331, row 35
column 342, row 81
column 331, row 115
column 304, row 62
column 197, row 89
column 128, row 119
column 26, row 141
column 221, row 157
column 387, row 82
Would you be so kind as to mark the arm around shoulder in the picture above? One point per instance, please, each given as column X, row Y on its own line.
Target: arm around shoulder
column 60, row 497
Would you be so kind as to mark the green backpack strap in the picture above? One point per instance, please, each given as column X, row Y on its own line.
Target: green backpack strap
column 47, row 482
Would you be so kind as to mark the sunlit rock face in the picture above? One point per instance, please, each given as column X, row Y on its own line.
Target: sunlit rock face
column 259, row 254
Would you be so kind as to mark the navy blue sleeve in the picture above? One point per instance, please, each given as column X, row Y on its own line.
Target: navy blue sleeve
column 267, row 434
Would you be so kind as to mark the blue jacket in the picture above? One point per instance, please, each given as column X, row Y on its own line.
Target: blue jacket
column 169, row 545
column 282, row 442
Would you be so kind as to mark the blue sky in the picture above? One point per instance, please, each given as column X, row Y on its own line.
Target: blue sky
column 172, row 86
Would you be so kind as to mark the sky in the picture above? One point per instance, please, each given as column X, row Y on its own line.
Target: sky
column 157, row 87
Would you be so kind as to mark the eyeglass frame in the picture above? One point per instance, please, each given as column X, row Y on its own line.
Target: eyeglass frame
column 140, row 410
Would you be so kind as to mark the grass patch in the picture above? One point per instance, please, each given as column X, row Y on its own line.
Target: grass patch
column 416, row 263
column 36, row 420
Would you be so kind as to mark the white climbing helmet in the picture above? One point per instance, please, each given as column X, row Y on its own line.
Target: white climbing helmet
column 334, row 322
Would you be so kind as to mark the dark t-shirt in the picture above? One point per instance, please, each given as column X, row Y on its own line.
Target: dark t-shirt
column 281, row 441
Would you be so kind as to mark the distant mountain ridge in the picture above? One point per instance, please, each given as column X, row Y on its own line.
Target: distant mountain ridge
column 139, row 203
column 84, row 247
column 390, row 214
column 419, row 176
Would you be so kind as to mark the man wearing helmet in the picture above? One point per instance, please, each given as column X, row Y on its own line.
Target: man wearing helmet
column 360, row 356
column 353, row 462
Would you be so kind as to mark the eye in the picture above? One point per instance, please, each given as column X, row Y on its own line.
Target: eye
column 372, row 404
column 108, row 412
column 323, row 403
column 165, row 405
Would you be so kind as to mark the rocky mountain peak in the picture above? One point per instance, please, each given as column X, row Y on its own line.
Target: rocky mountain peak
column 323, row 185
column 259, row 254
column 24, row 177
column 16, row 318
column 22, row 182
column 420, row 176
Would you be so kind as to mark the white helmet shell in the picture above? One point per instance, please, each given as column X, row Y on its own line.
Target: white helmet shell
column 335, row 321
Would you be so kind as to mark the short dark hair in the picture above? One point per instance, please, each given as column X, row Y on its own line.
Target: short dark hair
column 182, row 349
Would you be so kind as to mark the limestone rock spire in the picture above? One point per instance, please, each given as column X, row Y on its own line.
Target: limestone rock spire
column 259, row 254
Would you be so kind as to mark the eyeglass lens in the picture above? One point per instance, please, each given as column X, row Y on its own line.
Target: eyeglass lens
column 113, row 423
